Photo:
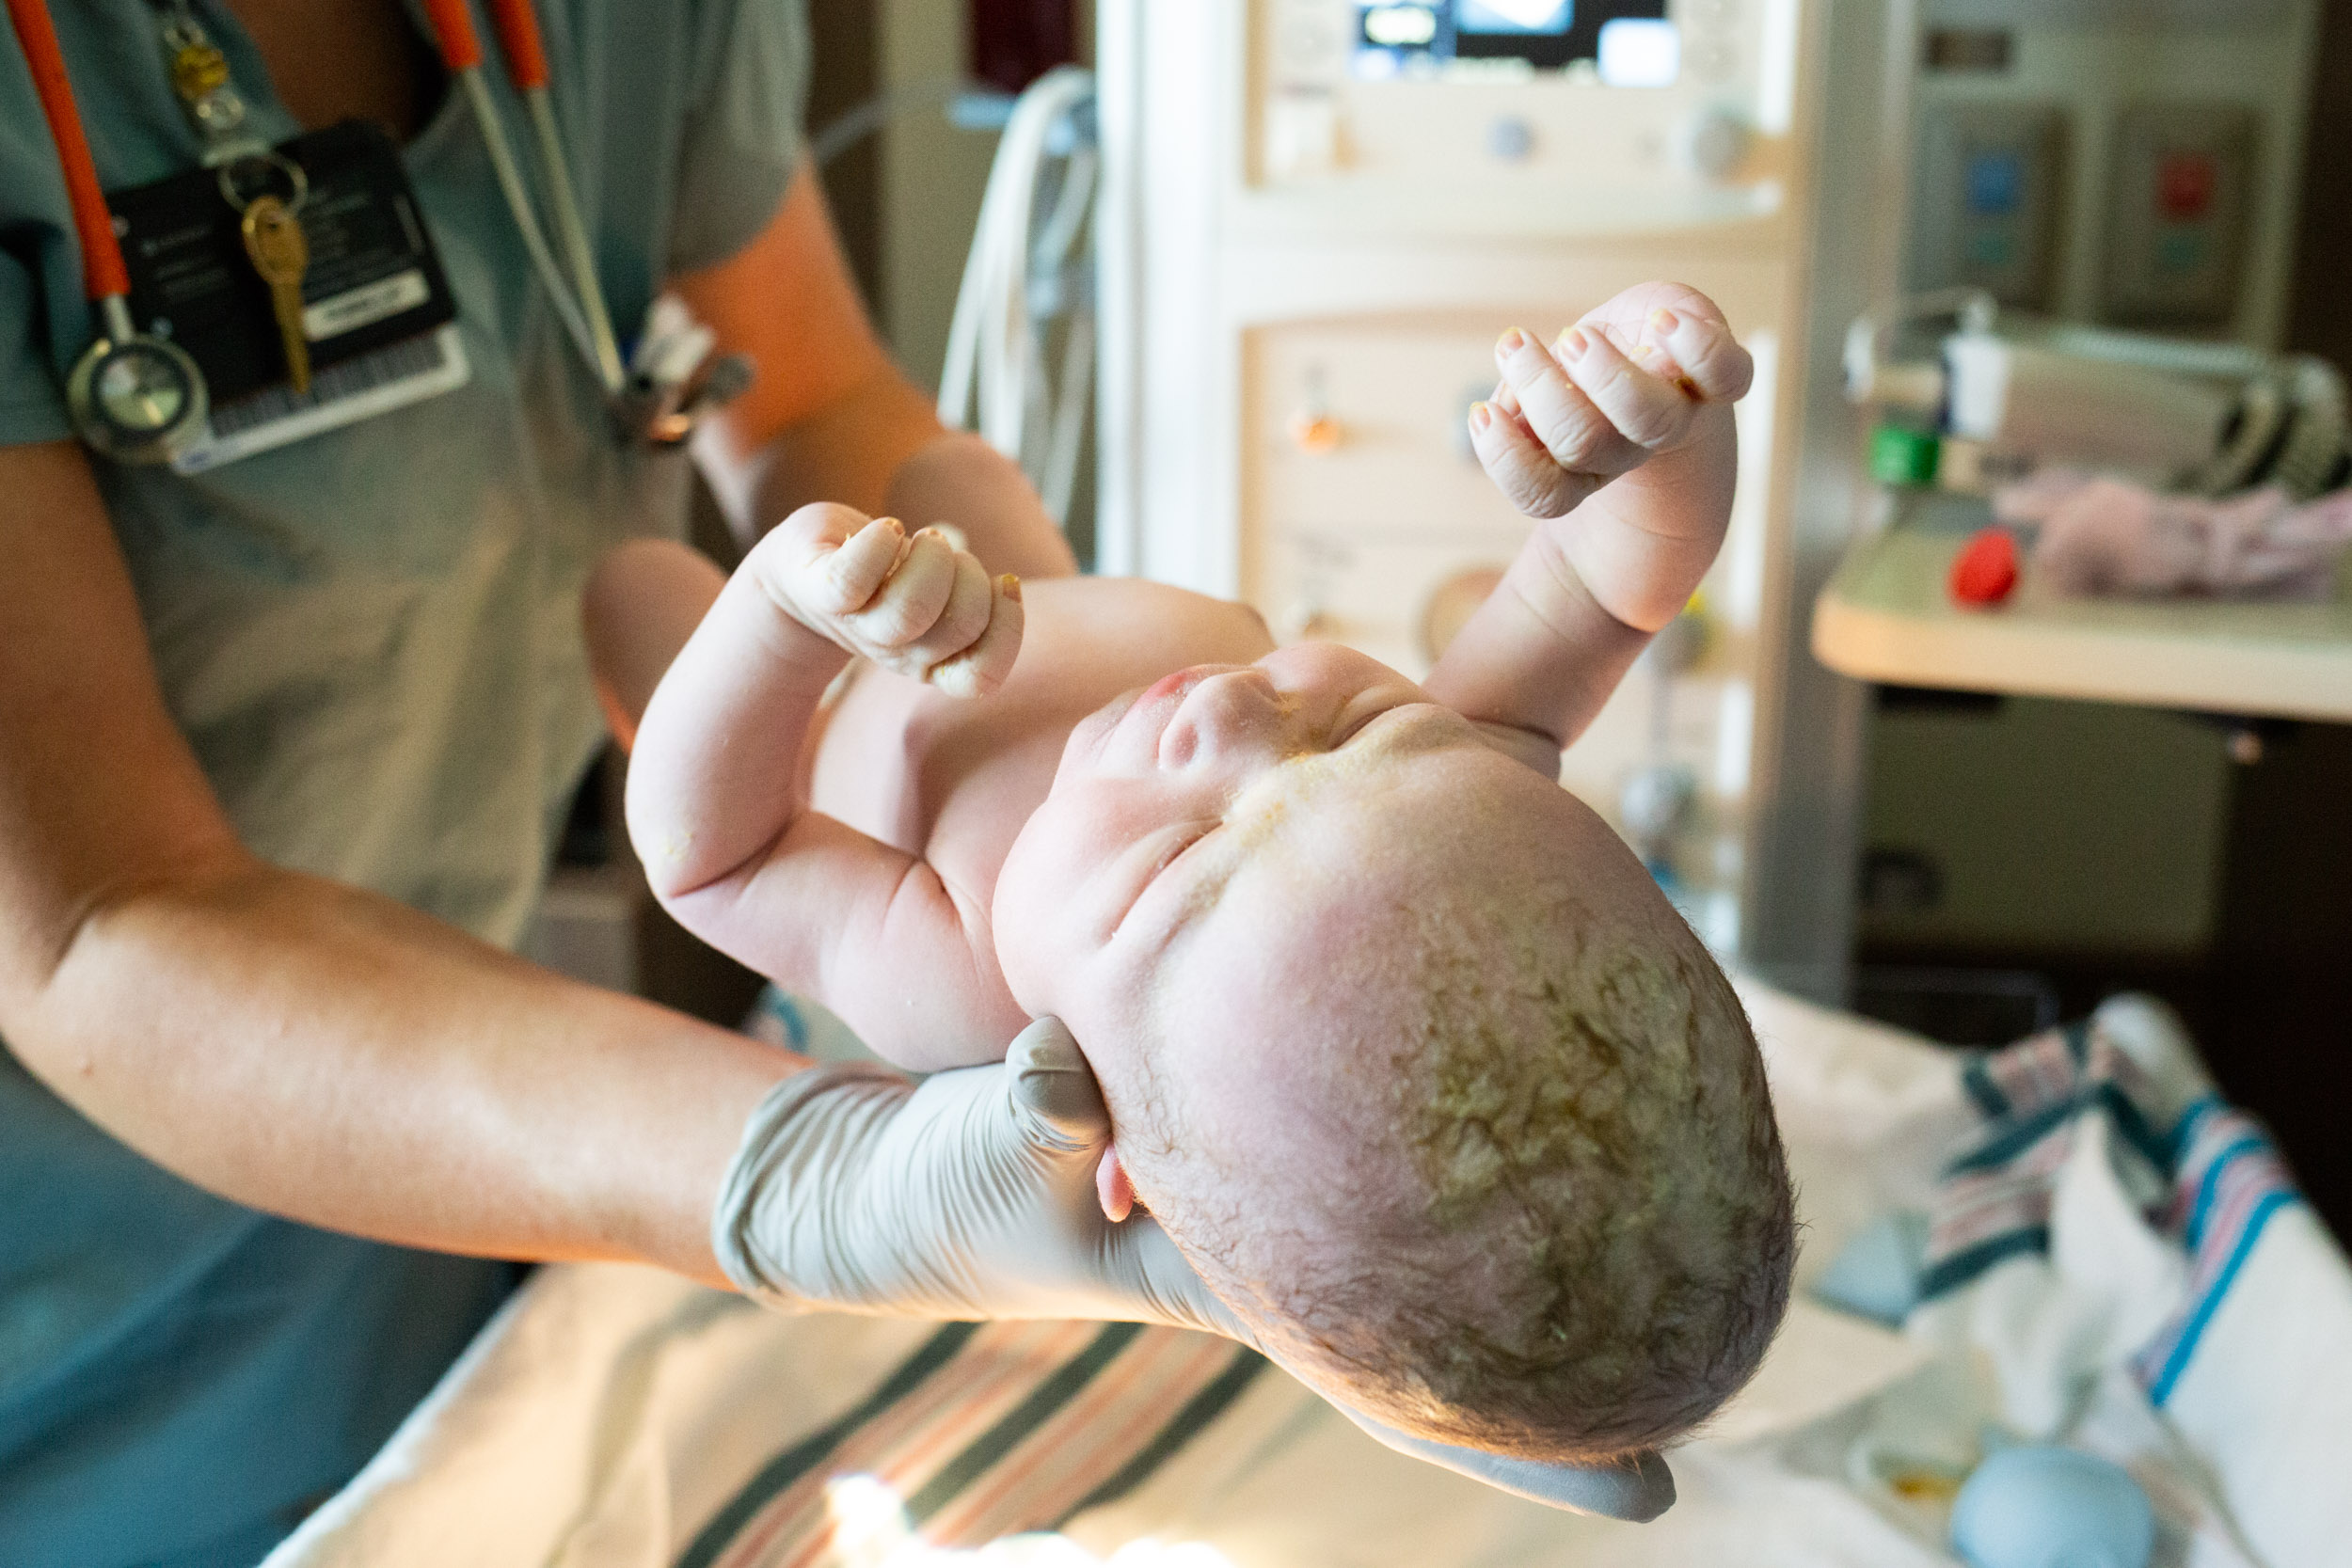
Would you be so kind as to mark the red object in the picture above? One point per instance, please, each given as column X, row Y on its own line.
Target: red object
column 518, row 37
column 2185, row 185
column 1985, row 571
column 103, row 274
column 452, row 28
column 1013, row 42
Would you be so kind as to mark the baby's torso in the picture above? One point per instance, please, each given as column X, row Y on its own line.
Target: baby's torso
column 953, row 780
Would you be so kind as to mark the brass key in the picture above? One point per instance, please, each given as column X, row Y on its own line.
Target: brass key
column 273, row 238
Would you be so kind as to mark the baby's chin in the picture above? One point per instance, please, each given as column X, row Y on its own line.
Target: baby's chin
column 1026, row 909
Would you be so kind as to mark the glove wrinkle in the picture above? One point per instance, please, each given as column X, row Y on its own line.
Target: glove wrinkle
column 818, row 1121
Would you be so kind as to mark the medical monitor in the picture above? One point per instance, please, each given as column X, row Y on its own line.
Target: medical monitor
column 1475, row 38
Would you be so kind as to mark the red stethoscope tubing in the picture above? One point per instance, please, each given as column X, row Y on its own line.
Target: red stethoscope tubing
column 103, row 276
column 517, row 26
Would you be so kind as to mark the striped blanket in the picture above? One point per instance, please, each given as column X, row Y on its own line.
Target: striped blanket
column 2211, row 1180
column 987, row 1431
column 617, row 1418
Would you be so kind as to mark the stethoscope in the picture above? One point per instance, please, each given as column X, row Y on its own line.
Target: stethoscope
column 139, row 397
column 134, row 397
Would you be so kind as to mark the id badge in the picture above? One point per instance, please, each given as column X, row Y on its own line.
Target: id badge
column 376, row 312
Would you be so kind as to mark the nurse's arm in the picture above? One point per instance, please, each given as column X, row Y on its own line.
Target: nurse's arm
column 287, row 1042
column 829, row 417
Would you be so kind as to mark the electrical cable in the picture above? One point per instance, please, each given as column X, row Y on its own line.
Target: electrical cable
column 853, row 125
column 995, row 379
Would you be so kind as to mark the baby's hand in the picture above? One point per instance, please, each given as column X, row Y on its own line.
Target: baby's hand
column 1633, row 380
column 1649, row 374
column 921, row 606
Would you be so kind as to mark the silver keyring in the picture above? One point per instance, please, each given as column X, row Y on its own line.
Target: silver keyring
column 298, row 183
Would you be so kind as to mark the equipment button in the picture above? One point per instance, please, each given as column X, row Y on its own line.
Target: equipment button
column 1714, row 143
column 1997, row 182
column 2185, row 185
column 1511, row 139
column 1317, row 433
column 2180, row 250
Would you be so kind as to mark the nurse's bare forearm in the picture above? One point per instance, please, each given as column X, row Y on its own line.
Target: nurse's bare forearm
column 961, row 478
column 336, row 1058
column 318, row 1051
column 829, row 417
column 883, row 453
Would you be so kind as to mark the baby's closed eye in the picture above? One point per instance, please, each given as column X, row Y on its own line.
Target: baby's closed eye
column 1169, row 848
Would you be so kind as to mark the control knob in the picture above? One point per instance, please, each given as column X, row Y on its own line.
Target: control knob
column 1714, row 143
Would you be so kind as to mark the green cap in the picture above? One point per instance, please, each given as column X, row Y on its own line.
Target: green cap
column 1901, row 456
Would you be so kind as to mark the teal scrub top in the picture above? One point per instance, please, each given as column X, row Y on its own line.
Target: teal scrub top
column 370, row 638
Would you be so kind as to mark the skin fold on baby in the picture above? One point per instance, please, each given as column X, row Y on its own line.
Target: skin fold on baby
column 1401, row 1044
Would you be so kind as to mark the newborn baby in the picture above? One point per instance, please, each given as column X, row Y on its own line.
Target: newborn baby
column 1401, row 1044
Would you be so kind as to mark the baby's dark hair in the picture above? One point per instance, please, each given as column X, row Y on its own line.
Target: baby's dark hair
column 1594, row 1246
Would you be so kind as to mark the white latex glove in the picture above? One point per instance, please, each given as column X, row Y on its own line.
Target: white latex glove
column 972, row 1196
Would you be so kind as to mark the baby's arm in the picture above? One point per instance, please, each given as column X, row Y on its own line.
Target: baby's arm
column 718, row 813
column 1620, row 437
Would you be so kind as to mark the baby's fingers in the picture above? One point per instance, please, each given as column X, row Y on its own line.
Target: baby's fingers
column 1705, row 354
column 912, row 597
column 1646, row 409
column 982, row 667
column 1518, row 463
column 1556, row 412
column 961, row 621
column 850, row 575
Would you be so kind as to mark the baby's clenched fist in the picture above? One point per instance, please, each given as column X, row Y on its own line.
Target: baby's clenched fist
column 917, row 604
column 1651, row 372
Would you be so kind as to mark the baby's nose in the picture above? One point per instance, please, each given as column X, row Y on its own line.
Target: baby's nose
column 1231, row 714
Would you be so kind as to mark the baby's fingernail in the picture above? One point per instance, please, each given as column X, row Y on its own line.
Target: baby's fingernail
column 1511, row 342
column 1573, row 343
column 1010, row 586
column 1663, row 321
column 1481, row 415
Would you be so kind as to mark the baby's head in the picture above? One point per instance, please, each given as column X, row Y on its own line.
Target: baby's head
column 1410, row 1057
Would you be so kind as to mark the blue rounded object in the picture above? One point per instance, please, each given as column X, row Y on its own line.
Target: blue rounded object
column 2051, row 1508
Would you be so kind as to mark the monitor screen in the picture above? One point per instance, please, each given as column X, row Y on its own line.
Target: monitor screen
column 1437, row 37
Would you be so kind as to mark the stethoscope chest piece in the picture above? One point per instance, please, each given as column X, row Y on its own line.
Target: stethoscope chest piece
column 135, row 397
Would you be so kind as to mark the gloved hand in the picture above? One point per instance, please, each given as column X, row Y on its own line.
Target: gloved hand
column 973, row 1195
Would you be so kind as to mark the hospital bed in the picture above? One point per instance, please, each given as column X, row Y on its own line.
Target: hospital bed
column 615, row 1416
